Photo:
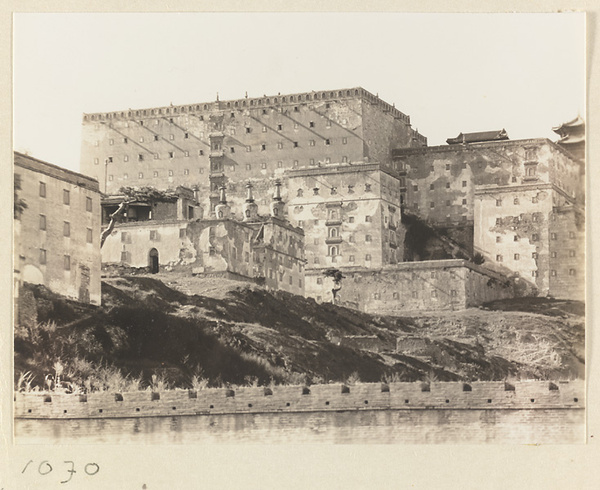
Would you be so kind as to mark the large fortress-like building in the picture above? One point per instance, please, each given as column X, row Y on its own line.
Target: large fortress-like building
column 501, row 215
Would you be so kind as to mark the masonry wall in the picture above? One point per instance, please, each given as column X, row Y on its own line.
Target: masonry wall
column 441, row 181
column 169, row 146
column 281, row 258
column 58, row 239
column 350, row 215
column 426, row 285
column 567, row 253
column 282, row 399
column 130, row 244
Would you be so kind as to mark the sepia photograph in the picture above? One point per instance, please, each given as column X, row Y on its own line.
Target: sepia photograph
column 299, row 228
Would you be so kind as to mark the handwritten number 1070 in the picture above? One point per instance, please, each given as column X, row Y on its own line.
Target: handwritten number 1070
column 45, row 468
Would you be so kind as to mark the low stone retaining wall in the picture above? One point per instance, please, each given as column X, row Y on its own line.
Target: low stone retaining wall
column 331, row 397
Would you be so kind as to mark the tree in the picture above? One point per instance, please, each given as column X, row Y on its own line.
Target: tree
column 337, row 276
column 133, row 194
column 19, row 204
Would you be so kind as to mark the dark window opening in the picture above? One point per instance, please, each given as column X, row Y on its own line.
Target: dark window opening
column 230, row 394
column 82, row 398
column 467, row 387
column 305, row 391
column 425, row 387
column 155, row 396
column 118, row 397
column 345, row 389
column 385, row 388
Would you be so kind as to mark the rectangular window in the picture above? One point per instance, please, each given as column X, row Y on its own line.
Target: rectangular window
column 368, row 257
column 264, row 129
column 464, row 201
column 351, row 258
column 201, row 152
column 351, row 219
column 125, row 140
column 123, row 256
column 534, row 237
column 498, row 202
column 553, row 273
column 552, row 236
column 155, row 137
column 534, row 273
column 498, row 258
column 498, row 239
column 89, row 235
column 311, row 124
column 431, row 187
column 464, row 183
column 415, row 188
column 66, row 197
column 123, row 237
column 248, row 148
column 368, row 219
column 344, row 141
column 66, row 228
column 453, row 293
column 248, row 130
column 447, row 185
column 434, row 293
column 67, row 262
column 534, row 200
column 367, row 238
column 432, row 204
column 171, row 137
column 534, row 255
column 571, row 272
column 552, row 255
column 571, row 253
column 517, row 256
column 42, row 256
column 153, row 234
column 42, row 222
column 88, row 204
column 516, row 238
column 279, row 164
column 327, row 142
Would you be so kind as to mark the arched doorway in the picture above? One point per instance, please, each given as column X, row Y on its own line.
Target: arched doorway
column 153, row 261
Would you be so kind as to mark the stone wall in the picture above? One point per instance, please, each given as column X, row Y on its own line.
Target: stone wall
column 57, row 242
column 282, row 399
column 350, row 215
column 169, row 146
column 411, row 286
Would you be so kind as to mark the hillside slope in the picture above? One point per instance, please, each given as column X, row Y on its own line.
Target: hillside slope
column 186, row 329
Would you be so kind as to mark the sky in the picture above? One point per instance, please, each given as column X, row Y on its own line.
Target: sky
column 451, row 73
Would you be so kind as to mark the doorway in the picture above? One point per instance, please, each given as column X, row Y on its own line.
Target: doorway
column 153, row 261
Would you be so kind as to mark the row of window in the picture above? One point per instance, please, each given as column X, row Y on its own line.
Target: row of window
column 44, row 258
column 351, row 219
column 66, row 196
column 334, row 253
column 66, row 228
column 433, row 203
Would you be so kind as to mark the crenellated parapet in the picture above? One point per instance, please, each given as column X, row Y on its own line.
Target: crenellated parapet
column 252, row 102
column 496, row 395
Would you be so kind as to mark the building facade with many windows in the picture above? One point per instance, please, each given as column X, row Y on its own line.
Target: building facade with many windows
column 57, row 233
